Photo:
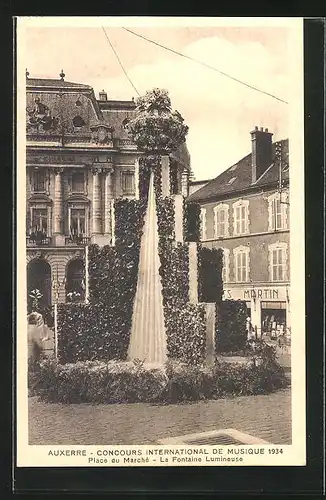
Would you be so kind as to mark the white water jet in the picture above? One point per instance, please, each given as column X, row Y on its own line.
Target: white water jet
column 148, row 335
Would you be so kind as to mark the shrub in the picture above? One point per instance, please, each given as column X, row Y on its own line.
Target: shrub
column 165, row 218
column 192, row 221
column 187, row 383
column 210, row 285
column 231, row 334
column 101, row 329
column 174, row 271
column 129, row 221
column 186, row 332
column 99, row 382
column 129, row 382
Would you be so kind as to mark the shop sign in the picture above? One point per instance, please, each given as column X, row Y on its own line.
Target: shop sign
column 248, row 294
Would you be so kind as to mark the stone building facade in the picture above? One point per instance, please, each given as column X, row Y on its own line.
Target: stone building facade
column 79, row 159
column 245, row 211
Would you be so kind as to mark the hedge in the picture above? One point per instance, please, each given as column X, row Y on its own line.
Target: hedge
column 186, row 332
column 231, row 334
column 101, row 329
column 192, row 221
column 121, row 382
column 146, row 165
column 174, row 181
column 210, row 284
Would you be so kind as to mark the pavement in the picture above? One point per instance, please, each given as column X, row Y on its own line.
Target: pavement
column 265, row 416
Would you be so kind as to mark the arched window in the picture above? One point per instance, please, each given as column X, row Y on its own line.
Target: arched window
column 75, row 285
column 78, row 122
column 38, row 283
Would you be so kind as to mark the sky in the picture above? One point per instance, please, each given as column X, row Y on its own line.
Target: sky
column 220, row 113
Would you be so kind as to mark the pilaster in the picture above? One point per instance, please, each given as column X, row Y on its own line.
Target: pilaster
column 165, row 169
column 108, row 196
column 96, row 201
column 58, row 235
column 185, row 183
column 193, row 273
column 210, row 309
column 178, row 217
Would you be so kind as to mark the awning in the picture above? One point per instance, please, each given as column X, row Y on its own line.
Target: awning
column 273, row 305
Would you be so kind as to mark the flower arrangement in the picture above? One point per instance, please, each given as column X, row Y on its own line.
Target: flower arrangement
column 36, row 296
column 156, row 128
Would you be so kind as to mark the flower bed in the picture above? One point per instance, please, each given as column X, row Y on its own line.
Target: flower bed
column 129, row 382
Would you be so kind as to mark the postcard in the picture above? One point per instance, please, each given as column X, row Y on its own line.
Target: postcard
column 160, row 242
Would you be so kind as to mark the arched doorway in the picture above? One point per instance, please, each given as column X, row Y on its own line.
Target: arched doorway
column 75, row 289
column 39, row 278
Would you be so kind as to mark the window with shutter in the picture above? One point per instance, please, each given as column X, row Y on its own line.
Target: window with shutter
column 278, row 261
column 221, row 218
column 241, row 264
column 241, row 217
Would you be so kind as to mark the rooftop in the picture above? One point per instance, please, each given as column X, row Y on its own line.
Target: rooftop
column 52, row 82
column 194, row 183
column 239, row 177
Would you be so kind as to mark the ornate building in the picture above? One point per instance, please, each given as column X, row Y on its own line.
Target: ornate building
column 79, row 159
column 245, row 211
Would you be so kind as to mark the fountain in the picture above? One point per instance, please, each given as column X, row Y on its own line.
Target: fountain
column 148, row 335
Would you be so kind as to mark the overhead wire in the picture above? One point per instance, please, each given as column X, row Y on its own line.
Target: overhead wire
column 204, row 64
column 119, row 61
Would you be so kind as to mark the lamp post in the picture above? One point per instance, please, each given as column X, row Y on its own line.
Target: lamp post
column 56, row 286
column 86, row 275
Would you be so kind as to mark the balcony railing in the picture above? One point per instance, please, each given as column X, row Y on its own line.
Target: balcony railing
column 37, row 240
column 124, row 143
column 80, row 241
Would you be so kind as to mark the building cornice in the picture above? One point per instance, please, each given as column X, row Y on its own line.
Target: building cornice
column 247, row 235
column 254, row 189
column 72, row 150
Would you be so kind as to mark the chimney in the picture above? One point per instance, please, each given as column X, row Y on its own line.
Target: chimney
column 103, row 96
column 262, row 155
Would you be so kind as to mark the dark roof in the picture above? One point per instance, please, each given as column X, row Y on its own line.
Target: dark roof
column 239, row 177
column 112, row 104
column 194, row 183
column 52, row 82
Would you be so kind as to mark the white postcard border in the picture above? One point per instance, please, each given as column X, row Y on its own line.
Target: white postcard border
column 294, row 454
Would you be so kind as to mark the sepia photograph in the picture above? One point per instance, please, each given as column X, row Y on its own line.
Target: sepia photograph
column 160, row 230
